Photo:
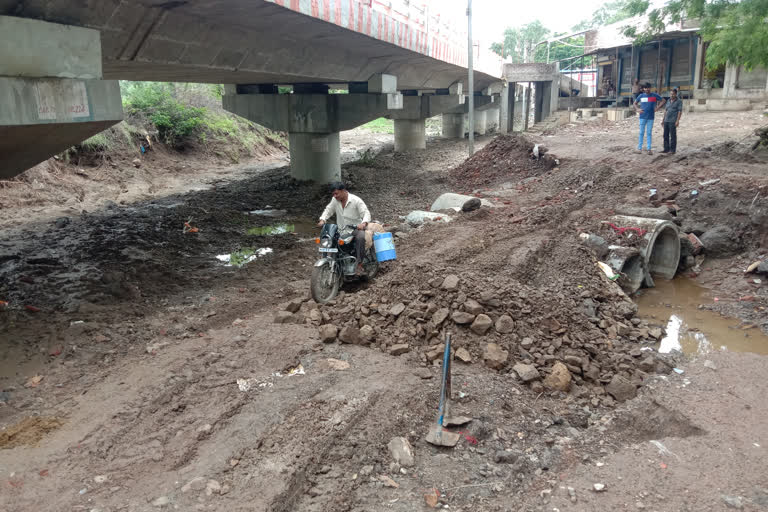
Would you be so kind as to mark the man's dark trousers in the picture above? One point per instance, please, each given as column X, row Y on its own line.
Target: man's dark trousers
column 670, row 137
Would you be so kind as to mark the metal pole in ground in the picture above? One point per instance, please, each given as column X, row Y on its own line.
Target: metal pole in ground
column 470, row 80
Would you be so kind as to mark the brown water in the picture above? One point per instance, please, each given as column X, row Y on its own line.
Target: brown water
column 675, row 304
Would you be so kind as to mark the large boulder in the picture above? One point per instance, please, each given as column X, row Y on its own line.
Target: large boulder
column 449, row 201
column 720, row 241
column 471, row 205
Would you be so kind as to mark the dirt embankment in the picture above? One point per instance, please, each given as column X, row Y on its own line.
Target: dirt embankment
column 167, row 383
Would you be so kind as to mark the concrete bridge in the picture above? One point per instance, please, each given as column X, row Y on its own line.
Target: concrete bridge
column 60, row 62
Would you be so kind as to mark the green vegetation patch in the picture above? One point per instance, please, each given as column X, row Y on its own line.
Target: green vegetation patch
column 381, row 125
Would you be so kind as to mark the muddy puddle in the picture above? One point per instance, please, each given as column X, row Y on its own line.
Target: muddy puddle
column 281, row 224
column 298, row 228
column 243, row 256
column 675, row 304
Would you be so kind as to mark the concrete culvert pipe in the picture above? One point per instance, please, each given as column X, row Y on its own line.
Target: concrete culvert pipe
column 629, row 263
column 660, row 245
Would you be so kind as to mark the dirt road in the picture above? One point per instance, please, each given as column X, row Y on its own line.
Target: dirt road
column 146, row 374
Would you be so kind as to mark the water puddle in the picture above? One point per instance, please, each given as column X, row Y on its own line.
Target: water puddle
column 690, row 329
column 277, row 229
column 243, row 256
column 268, row 213
column 299, row 227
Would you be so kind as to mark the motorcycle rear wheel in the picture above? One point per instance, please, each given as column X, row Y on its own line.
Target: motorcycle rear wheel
column 324, row 287
column 370, row 264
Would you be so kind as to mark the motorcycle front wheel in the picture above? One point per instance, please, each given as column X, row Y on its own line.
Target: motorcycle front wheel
column 325, row 284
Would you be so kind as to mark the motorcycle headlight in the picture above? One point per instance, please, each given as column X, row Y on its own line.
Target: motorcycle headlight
column 325, row 243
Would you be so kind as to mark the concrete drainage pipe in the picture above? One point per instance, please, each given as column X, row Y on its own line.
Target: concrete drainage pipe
column 660, row 245
column 629, row 263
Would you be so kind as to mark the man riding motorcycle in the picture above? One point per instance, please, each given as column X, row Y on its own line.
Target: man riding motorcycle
column 349, row 210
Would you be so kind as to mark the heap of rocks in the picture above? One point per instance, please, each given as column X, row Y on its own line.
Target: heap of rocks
column 549, row 337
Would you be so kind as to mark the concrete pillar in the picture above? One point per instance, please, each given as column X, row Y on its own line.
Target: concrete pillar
column 410, row 134
column 454, row 126
column 504, row 109
column 313, row 123
column 481, row 119
column 315, row 157
column 699, row 67
column 492, row 120
column 731, row 75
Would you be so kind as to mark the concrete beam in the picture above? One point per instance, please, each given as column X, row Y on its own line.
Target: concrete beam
column 481, row 102
column 532, row 72
column 422, row 107
column 38, row 49
column 382, row 84
column 493, row 89
column 310, row 113
column 42, row 117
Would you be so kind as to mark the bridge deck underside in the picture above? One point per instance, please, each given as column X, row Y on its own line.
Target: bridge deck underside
column 237, row 41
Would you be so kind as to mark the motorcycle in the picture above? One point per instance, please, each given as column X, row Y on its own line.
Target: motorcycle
column 338, row 263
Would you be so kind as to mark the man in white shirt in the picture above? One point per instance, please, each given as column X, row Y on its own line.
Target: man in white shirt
column 349, row 210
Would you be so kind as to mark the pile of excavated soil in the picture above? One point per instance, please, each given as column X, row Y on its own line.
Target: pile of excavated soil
column 517, row 303
column 506, row 157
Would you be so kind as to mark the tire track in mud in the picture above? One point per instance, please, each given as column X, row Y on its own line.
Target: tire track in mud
column 290, row 498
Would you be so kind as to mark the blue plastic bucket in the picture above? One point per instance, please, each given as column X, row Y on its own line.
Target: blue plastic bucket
column 385, row 246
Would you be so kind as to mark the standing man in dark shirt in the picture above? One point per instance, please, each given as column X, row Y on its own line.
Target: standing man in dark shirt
column 646, row 105
column 671, row 121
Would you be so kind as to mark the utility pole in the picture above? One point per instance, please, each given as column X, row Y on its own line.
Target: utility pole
column 526, row 92
column 470, row 81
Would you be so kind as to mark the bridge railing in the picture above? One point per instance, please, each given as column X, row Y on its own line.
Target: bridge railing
column 415, row 25
column 445, row 29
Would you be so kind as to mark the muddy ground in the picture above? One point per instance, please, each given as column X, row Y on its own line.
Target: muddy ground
column 142, row 373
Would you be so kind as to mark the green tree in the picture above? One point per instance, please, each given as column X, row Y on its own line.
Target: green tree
column 610, row 12
column 736, row 30
column 520, row 41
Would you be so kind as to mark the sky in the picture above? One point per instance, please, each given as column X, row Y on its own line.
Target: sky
column 491, row 17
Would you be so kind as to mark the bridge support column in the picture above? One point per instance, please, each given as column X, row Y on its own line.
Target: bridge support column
column 410, row 131
column 315, row 156
column 410, row 134
column 481, row 118
column 492, row 120
column 454, row 126
column 313, row 120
